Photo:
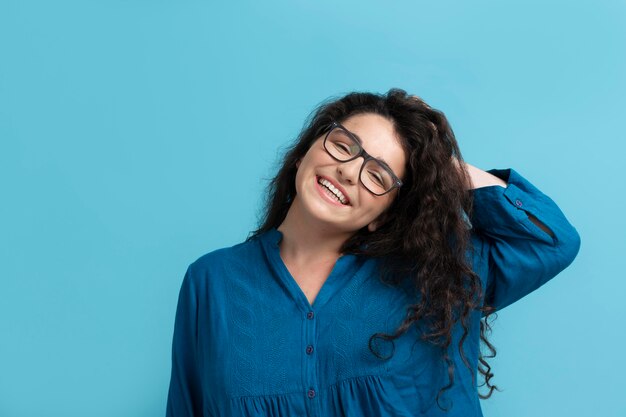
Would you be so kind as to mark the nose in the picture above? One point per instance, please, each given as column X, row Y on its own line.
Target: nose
column 349, row 171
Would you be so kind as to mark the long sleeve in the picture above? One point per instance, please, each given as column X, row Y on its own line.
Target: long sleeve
column 184, row 397
column 521, row 256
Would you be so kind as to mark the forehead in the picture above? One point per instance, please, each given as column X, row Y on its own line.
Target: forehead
column 379, row 139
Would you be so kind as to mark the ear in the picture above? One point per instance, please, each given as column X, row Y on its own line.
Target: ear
column 298, row 163
column 372, row 226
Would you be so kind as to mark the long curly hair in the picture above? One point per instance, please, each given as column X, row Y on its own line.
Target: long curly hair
column 423, row 234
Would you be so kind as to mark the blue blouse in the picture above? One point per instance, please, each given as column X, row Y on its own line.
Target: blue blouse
column 248, row 343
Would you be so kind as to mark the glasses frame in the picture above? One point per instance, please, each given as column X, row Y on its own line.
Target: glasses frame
column 397, row 183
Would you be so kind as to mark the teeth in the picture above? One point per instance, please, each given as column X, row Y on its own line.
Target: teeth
column 335, row 191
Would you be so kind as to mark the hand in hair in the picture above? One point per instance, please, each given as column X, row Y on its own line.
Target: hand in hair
column 478, row 177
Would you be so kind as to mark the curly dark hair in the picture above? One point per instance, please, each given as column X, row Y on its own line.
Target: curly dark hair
column 423, row 234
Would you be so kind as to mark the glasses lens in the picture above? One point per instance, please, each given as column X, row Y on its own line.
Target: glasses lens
column 340, row 145
column 376, row 177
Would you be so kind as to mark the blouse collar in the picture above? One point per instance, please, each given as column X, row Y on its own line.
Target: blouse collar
column 346, row 266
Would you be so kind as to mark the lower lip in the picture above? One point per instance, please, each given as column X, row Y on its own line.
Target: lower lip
column 321, row 189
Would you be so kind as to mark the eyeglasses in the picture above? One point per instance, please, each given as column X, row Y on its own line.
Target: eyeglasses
column 375, row 175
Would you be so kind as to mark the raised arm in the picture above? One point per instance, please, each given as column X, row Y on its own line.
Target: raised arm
column 525, row 238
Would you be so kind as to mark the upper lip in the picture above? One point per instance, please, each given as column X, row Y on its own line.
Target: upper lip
column 337, row 186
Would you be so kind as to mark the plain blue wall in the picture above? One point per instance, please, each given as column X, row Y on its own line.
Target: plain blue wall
column 136, row 135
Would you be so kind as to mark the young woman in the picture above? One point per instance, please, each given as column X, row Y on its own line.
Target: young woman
column 367, row 288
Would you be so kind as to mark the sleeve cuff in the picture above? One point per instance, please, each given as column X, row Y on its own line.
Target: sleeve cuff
column 504, row 211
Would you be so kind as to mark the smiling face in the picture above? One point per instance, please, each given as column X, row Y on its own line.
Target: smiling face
column 314, row 201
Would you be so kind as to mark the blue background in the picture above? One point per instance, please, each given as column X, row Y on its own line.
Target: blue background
column 137, row 135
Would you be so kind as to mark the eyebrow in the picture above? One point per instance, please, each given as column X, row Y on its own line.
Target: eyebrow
column 358, row 139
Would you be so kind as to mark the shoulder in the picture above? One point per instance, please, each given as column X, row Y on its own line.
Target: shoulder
column 224, row 260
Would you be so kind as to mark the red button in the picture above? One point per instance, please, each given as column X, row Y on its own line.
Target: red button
column 518, row 203
column 311, row 393
column 309, row 349
column 309, row 315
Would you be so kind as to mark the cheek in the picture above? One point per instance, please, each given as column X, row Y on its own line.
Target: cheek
column 299, row 178
column 312, row 158
column 374, row 205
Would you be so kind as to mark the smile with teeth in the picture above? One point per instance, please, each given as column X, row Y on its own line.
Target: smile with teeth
column 334, row 192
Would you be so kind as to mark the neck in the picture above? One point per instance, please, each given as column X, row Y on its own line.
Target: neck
column 307, row 241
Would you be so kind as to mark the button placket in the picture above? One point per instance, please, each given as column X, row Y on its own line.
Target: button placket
column 309, row 363
column 309, row 348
